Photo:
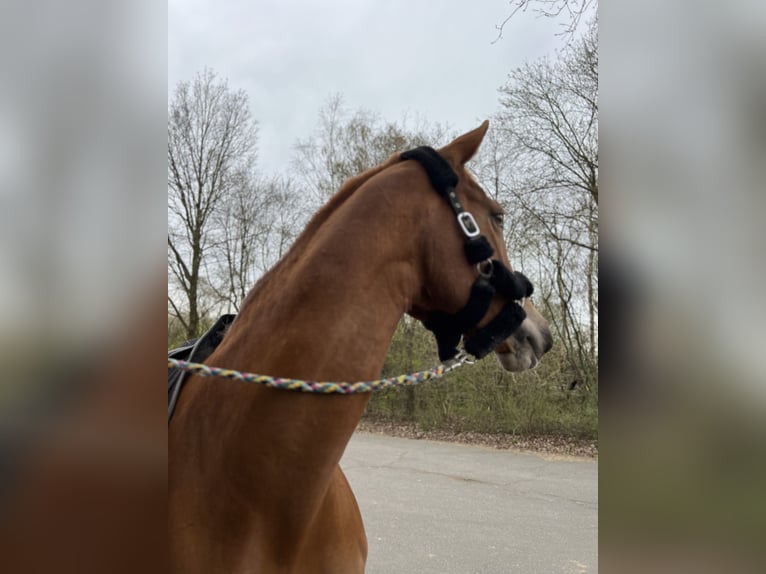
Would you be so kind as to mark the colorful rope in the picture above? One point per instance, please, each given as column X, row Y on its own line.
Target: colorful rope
column 327, row 388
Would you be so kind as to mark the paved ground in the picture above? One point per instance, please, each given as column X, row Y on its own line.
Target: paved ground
column 441, row 508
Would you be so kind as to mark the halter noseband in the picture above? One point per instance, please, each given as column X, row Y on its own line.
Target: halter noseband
column 494, row 277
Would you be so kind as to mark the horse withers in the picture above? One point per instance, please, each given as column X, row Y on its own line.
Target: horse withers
column 254, row 478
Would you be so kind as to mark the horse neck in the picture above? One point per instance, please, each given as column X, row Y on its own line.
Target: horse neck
column 326, row 312
column 329, row 311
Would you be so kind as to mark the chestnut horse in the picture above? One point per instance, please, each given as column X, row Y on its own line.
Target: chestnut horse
column 254, row 480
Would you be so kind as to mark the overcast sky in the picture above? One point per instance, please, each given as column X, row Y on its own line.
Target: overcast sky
column 428, row 58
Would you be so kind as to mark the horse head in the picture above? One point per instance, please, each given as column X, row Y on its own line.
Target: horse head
column 469, row 289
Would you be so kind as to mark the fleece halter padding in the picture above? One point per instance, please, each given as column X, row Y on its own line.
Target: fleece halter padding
column 450, row 328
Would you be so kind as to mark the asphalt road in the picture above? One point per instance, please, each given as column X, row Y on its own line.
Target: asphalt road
column 432, row 507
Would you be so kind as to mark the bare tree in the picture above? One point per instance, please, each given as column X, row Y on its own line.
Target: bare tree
column 346, row 143
column 542, row 164
column 572, row 10
column 288, row 213
column 238, row 230
column 550, row 118
column 211, row 149
column 254, row 226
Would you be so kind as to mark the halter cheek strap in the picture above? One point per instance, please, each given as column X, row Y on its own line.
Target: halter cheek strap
column 450, row 328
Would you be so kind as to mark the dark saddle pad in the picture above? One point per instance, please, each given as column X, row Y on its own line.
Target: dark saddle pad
column 195, row 351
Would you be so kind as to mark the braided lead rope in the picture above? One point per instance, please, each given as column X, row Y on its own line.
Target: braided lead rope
column 327, row 388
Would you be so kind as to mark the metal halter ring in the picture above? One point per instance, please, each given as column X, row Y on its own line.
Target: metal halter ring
column 488, row 268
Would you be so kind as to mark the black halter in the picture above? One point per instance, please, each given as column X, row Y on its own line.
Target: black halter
column 494, row 277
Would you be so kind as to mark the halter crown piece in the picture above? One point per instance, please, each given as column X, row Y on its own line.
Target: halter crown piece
column 514, row 286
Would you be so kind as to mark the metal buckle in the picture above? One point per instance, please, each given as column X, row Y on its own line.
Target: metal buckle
column 488, row 273
column 462, row 358
column 468, row 224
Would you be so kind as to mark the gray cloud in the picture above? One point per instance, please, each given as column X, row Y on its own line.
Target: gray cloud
column 431, row 59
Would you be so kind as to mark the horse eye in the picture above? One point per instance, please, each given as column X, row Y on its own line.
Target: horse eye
column 499, row 218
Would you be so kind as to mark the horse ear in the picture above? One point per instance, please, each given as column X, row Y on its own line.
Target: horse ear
column 464, row 147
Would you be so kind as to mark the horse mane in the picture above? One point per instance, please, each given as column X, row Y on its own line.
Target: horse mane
column 318, row 220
